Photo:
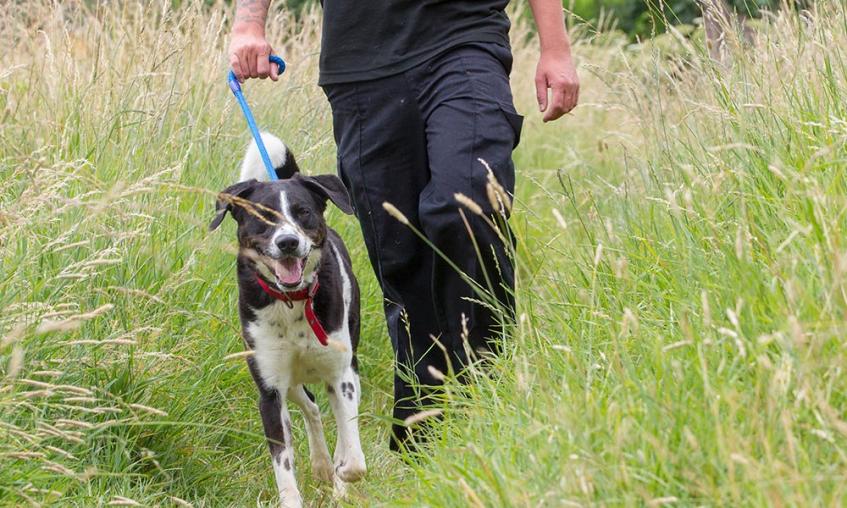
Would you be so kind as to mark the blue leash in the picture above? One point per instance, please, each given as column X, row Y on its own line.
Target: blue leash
column 235, row 86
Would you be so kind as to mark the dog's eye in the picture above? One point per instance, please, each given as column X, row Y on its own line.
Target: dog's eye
column 304, row 212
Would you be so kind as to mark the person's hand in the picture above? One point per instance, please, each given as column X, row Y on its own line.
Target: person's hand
column 248, row 55
column 557, row 73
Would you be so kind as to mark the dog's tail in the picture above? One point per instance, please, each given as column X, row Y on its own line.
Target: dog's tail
column 281, row 158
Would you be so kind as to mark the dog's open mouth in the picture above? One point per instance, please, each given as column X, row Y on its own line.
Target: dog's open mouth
column 289, row 271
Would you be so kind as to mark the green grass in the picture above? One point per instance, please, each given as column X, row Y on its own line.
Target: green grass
column 682, row 275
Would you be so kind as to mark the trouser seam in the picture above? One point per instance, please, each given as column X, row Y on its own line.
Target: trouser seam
column 368, row 205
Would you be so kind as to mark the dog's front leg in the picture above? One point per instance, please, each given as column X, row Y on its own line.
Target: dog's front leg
column 321, row 463
column 277, row 425
column 344, row 399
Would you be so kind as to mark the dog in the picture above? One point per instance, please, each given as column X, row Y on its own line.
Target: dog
column 298, row 302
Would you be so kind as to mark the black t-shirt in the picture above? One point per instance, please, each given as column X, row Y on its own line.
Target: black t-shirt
column 371, row 39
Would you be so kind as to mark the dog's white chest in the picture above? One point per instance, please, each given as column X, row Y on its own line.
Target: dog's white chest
column 287, row 352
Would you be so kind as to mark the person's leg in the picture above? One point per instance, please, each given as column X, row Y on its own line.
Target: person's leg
column 382, row 158
column 466, row 99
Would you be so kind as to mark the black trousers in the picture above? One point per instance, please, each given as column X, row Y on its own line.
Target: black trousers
column 414, row 140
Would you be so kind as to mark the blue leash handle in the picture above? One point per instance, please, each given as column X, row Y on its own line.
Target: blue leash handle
column 235, row 86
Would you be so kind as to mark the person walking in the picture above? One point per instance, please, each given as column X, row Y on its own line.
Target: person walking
column 420, row 94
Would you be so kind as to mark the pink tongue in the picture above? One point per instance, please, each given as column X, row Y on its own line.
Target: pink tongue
column 289, row 271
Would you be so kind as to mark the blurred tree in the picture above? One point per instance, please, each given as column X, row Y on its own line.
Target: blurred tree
column 299, row 4
column 641, row 18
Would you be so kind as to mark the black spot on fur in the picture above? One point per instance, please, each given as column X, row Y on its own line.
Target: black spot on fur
column 329, row 302
column 269, row 408
column 348, row 389
column 286, row 464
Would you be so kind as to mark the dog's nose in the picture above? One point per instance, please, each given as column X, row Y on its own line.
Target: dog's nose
column 287, row 243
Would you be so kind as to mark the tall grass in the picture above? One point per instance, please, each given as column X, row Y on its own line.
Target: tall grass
column 681, row 276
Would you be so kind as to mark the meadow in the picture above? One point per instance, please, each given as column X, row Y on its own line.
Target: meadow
column 682, row 282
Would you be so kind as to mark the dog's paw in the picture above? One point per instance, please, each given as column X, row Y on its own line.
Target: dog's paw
column 339, row 489
column 351, row 469
column 290, row 498
column 322, row 469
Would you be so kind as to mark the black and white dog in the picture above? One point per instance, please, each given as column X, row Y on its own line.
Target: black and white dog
column 299, row 307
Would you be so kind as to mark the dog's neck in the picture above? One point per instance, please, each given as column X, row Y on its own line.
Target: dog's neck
column 305, row 295
column 289, row 296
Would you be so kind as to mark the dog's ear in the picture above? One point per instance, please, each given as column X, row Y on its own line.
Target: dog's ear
column 225, row 199
column 330, row 187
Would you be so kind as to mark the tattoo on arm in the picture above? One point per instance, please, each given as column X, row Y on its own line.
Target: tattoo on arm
column 252, row 11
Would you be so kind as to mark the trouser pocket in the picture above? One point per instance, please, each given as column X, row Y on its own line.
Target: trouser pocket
column 515, row 121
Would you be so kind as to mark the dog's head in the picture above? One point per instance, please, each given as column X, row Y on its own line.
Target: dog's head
column 281, row 226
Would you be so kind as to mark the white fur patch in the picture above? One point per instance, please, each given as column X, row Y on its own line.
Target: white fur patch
column 288, row 354
column 346, row 286
column 286, row 482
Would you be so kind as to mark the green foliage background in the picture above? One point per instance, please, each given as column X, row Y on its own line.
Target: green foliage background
column 642, row 18
column 638, row 18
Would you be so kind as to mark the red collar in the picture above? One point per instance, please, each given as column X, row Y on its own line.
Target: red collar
column 307, row 294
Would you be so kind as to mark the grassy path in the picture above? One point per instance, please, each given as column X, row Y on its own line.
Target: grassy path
column 682, row 275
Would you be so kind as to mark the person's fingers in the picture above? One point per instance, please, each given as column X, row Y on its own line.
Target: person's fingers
column 252, row 59
column 274, row 71
column 571, row 97
column 569, row 100
column 541, row 91
column 556, row 107
column 235, row 65
column 263, row 66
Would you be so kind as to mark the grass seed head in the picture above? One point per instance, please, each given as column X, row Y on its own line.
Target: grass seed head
column 394, row 212
column 469, row 203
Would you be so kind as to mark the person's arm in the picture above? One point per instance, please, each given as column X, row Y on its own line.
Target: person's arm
column 555, row 69
column 248, row 48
